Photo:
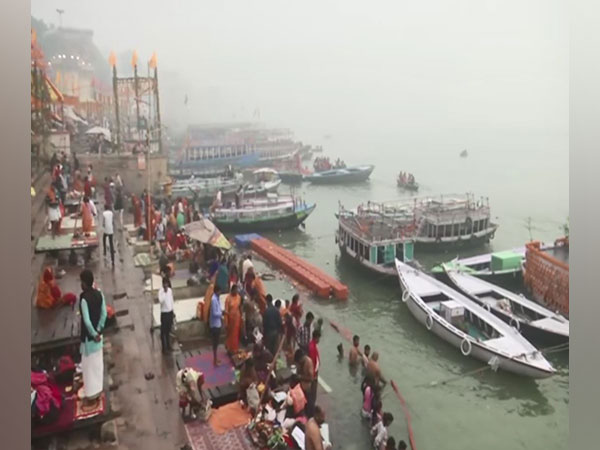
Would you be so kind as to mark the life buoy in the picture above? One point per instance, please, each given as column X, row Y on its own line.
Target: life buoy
column 405, row 296
column 487, row 307
column 515, row 324
column 429, row 322
column 492, row 235
column 466, row 347
column 438, row 240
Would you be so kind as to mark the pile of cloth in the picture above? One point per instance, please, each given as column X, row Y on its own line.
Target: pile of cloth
column 46, row 399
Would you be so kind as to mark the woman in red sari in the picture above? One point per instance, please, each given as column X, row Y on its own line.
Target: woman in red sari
column 137, row 211
column 233, row 320
column 87, row 187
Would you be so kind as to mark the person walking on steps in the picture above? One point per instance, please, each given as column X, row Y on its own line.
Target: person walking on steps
column 108, row 232
column 165, row 298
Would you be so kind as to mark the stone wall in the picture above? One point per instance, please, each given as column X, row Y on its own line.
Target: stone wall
column 134, row 178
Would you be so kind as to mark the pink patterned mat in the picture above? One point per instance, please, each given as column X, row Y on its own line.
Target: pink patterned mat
column 202, row 437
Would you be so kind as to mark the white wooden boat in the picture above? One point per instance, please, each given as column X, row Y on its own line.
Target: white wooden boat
column 534, row 321
column 469, row 327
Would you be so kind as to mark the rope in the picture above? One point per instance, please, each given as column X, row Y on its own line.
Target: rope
column 411, row 438
column 547, row 350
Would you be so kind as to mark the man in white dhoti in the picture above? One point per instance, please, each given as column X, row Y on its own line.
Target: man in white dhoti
column 92, row 308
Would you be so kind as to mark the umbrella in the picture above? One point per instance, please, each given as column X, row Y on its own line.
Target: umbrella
column 100, row 130
column 205, row 231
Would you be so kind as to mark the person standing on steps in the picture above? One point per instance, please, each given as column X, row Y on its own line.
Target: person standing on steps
column 215, row 323
column 92, row 309
column 108, row 232
column 119, row 205
column 165, row 298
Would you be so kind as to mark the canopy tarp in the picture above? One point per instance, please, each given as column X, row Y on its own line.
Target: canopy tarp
column 99, row 130
column 205, row 231
column 70, row 114
column 55, row 94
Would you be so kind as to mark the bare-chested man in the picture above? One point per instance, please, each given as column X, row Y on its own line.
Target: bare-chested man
column 355, row 353
column 313, row 439
column 374, row 371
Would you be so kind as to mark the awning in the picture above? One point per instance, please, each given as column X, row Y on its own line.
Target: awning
column 72, row 115
column 206, row 232
column 55, row 94
column 99, row 130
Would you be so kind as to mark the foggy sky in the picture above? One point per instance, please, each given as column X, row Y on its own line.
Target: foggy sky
column 317, row 66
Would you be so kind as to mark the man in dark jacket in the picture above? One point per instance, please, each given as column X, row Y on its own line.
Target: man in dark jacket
column 272, row 325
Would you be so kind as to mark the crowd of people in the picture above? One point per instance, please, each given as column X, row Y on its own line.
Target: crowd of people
column 274, row 328
column 406, row 179
column 269, row 327
column 323, row 163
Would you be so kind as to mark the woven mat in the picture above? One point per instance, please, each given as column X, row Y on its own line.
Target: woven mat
column 202, row 437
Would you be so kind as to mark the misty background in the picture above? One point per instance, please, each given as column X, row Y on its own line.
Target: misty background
column 331, row 67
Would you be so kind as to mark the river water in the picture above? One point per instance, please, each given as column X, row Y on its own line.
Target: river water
column 525, row 177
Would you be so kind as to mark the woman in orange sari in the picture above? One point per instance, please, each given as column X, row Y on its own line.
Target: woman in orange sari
column 210, row 290
column 233, row 320
column 48, row 293
column 137, row 211
column 87, row 214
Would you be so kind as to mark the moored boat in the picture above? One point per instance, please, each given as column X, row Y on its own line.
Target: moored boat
column 291, row 177
column 204, row 189
column 270, row 213
column 503, row 267
column 447, row 220
column 353, row 174
column 536, row 323
column 467, row 326
column 266, row 181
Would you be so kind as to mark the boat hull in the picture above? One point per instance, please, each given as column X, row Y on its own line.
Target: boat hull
column 511, row 280
column 272, row 224
column 291, row 178
column 478, row 352
column 474, row 240
column 341, row 178
column 348, row 254
column 409, row 187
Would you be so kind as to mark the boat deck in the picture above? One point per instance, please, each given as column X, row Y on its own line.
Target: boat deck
column 375, row 229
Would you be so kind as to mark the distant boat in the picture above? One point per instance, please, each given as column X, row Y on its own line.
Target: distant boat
column 414, row 186
column 270, row 213
column 354, row 174
column 266, row 180
column 535, row 322
column 464, row 324
column 203, row 189
column 464, row 153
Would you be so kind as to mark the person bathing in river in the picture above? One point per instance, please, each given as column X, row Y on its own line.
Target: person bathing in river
column 374, row 371
column 379, row 432
column 354, row 354
column 365, row 356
